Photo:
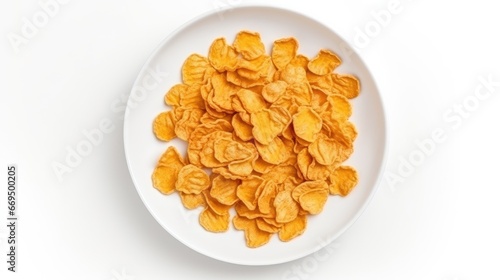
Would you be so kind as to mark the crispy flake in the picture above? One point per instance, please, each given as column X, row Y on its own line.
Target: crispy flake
column 272, row 130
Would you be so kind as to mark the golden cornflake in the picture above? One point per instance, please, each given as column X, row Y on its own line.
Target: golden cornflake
column 192, row 201
column 307, row 124
column 193, row 70
column 287, row 209
column 254, row 236
column 222, row 56
column 266, row 126
column 251, row 101
column 167, row 170
column 242, row 129
column 249, row 45
column 266, row 133
column 272, row 91
column 164, row 126
column 192, row 179
column 214, row 222
column 293, row 229
column 284, row 50
column 347, row 85
column 275, row 152
column 323, row 63
column 224, row 190
column 343, row 180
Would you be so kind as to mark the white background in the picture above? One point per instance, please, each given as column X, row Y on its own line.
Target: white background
column 438, row 220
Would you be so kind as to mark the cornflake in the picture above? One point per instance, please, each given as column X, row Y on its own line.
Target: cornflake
column 267, row 136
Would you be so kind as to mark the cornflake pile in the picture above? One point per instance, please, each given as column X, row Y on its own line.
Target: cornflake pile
column 272, row 131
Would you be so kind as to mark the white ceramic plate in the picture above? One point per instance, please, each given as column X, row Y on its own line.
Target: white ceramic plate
column 162, row 70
